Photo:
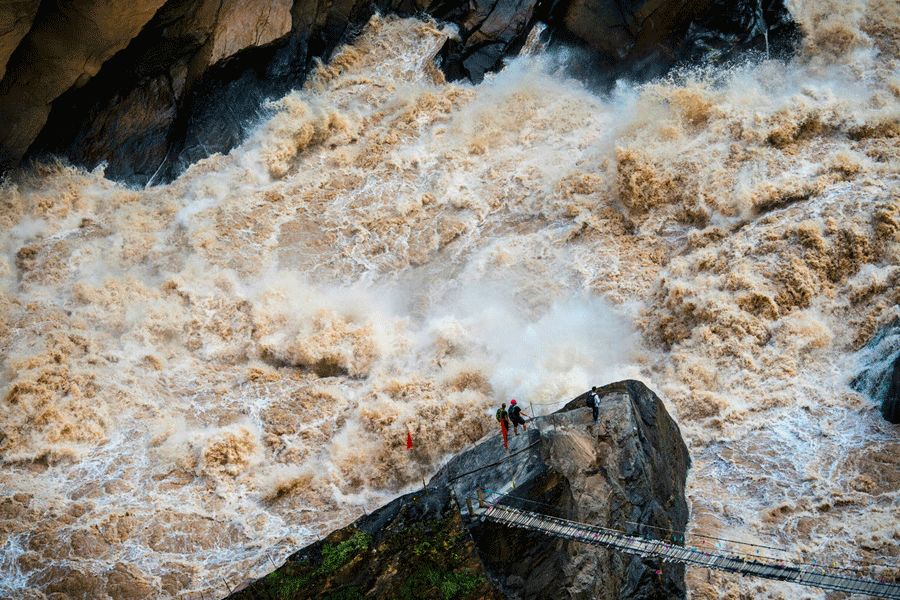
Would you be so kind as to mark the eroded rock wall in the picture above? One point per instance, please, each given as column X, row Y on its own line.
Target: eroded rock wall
column 67, row 45
column 644, row 38
column 16, row 17
column 141, row 112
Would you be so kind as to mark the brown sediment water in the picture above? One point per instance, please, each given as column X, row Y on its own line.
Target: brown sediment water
column 198, row 374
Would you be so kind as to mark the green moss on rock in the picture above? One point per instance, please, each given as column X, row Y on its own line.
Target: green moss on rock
column 334, row 556
column 429, row 582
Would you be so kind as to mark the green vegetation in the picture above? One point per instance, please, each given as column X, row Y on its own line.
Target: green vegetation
column 438, row 542
column 429, row 582
column 438, row 562
column 334, row 556
column 289, row 581
column 350, row 593
column 456, row 585
column 413, row 560
column 280, row 586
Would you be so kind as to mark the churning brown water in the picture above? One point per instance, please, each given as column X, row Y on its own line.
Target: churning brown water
column 200, row 373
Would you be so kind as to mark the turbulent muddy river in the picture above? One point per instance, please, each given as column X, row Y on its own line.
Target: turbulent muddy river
column 199, row 377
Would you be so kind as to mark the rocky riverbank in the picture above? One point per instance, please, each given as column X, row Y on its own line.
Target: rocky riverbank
column 151, row 86
column 627, row 472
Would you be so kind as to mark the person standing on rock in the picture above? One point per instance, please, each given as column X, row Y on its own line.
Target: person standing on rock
column 503, row 417
column 593, row 400
column 516, row 416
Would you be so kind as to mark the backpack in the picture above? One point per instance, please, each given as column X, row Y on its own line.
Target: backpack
column 501, row 414
column 514, row 411
column 593, row 400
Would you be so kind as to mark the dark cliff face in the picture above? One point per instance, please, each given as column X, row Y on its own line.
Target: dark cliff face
column 627, row 472
column 153, row 86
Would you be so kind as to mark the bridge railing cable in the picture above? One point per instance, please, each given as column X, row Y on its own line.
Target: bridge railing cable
column 864, row 564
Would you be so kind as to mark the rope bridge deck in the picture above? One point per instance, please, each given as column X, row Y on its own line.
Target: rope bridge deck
column 598, row 536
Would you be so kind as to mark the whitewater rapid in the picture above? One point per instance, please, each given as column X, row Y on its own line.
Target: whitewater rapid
column 202, row 376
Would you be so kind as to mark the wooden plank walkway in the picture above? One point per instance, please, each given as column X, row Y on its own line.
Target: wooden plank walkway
column 591, row 534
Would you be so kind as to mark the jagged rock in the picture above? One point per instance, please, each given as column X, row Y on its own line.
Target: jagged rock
column 879, row 375
column 641, row 39
column 726, row 25
column 628, row 472
column 890, row 406
column 488, row 31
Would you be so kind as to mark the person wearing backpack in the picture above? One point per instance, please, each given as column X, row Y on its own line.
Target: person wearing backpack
column 503, row 417
column 593, row 400
column 515, row 415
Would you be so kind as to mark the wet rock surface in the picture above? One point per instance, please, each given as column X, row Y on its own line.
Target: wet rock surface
column 879, row 376
column 151, row 87
column 626, row 472
column 890, row 407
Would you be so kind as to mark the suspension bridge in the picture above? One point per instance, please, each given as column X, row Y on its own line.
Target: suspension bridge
column 490, row 509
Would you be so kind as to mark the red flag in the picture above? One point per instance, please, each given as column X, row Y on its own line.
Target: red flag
column 504, row 432
column 408, row 440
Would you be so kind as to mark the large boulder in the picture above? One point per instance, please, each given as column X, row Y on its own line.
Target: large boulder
column 627, row 472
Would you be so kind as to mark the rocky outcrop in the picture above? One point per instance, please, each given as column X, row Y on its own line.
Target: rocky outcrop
column 879, row 375
column 890, row 406
column 149, row 87
column 488, row 32
column 627, row 472
column 644, row 38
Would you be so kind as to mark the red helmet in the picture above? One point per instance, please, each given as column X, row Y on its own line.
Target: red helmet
column 512, row 402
